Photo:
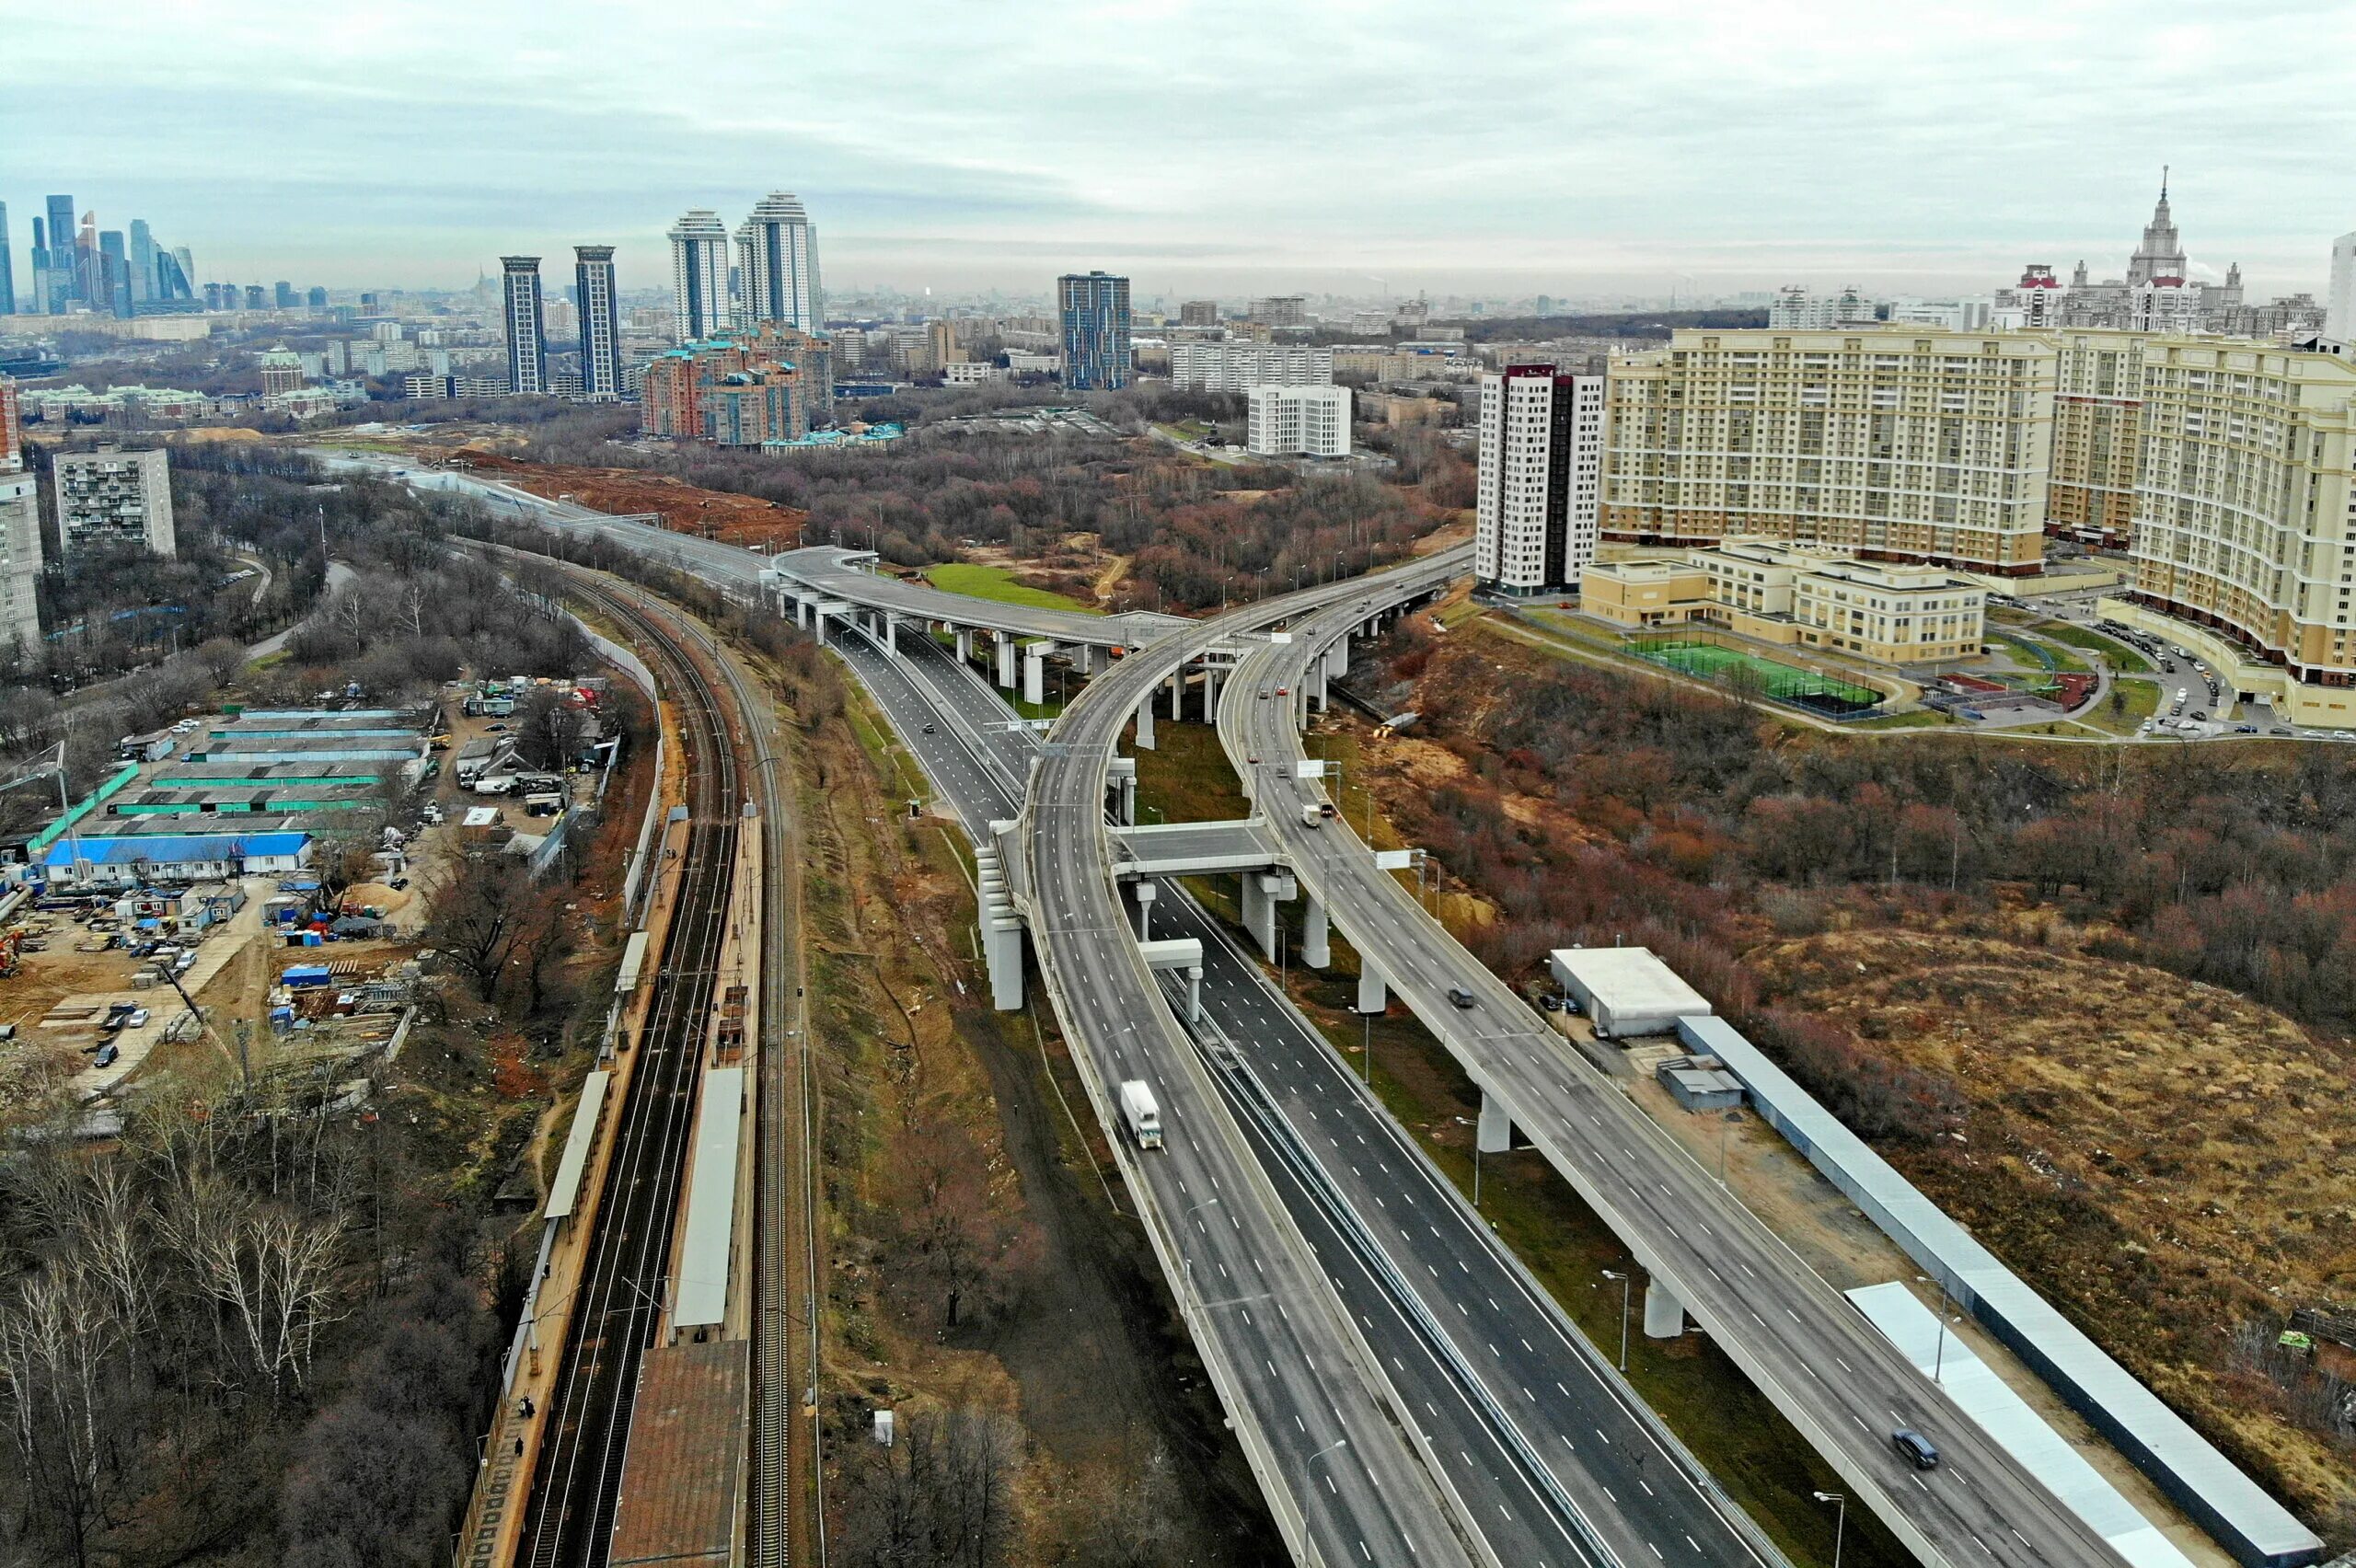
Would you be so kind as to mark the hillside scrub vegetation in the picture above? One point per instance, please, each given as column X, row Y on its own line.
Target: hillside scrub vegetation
column 1590, row 806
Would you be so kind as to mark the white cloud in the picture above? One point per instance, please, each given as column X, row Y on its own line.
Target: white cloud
column 1201, row 141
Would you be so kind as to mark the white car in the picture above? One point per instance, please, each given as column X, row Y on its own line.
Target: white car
column 136, row 1018
column 2181, row 692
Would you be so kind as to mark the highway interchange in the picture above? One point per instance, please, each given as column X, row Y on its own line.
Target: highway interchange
column 1234, row 1206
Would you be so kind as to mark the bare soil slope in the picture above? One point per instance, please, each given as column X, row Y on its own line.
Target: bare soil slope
column 2173, row 1165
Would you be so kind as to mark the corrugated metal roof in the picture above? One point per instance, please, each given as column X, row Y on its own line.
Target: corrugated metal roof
column 1990, row 1401
column 2208, row 1486
column 171, row 847
column 702, row 1296
column 1630, row 981
column 564, row 1192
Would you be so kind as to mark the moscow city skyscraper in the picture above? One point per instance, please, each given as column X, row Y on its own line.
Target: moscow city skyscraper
column 601, row 326
column 7, row 267
column 776, row 254
column 699, row 274
column 528, row 346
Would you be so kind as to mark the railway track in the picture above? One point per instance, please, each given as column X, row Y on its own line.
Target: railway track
column 569, row 1516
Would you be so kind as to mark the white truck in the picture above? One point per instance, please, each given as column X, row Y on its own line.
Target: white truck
column 1140, row 1114
column 1310, row 816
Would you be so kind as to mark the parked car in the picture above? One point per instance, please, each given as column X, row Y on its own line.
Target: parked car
column 138, row 1019
column 107, row 1055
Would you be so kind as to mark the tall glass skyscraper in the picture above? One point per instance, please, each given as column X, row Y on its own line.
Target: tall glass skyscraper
column 113, row 290
column 63, row 273
column 528, row 344
column 7, row 267
column 142, row 261
column 1095, row 308
column 600, row 324
column 776, row 254
column 700, row 275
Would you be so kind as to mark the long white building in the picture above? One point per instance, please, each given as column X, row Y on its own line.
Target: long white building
column 1539, row 475
column 1239, row 367
column 1299, row 421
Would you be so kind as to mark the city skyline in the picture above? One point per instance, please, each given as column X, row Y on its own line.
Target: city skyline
column 1720, row 145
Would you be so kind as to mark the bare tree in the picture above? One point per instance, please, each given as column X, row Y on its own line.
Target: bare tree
column 56, row 1337
column 479, row 915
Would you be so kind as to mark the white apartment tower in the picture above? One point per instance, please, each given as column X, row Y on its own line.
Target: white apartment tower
column 1540, row 476
column 700, row 275
column 776, row 254
column 527, row 339
column 1299, row 421
column 20, row 539
column 113, row 497
column 2339, row 303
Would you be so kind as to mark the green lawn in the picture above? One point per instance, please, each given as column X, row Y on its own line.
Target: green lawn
column 998, row 585
column 2122, row 660
column 2140, row 701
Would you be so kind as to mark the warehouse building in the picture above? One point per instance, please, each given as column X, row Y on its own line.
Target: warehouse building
column 1626, row 991
column 132, row 861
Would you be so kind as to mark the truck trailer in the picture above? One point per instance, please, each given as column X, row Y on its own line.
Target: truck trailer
column 1139, row 1114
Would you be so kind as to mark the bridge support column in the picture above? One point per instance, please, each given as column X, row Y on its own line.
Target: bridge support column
column 1178, row 693
column 1262, row 891
column 1005, row 660
column 1002, row 946
column 1035, row 672
column 965, row 645
column 1145, row 723
column 802, row 611
column 1083, row 658
column 1127, row 810
column 1210, row 694
column 1144, row 892
column 1494, row 1135
column 1374, row 996
column 1194, row 993
column 1664, row 1313
column 1316, row 946
column 1317, row 687
column 1338, row 657
column 891, row 634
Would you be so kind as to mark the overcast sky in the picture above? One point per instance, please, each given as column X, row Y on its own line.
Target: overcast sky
column 1201, row 145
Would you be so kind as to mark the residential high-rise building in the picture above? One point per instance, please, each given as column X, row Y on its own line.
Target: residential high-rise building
column 1900, row 444
column 1239, row 367
column 20, row 538
column 1095, row 314
column 112, row 497
column 2097, row 429
column 601, row 325
column 1537, row 476
column 255, row 298
column 1198, row 313
column 1281, row 310
column 7, row 266
column 316, row 298
column 776, row 261
column 1298, row 421
column 64, row 276
column 2339, row 303
column 2253, row 538
column 142, row 261
column 700, row 275
column 736, row 389
column 527, row 347
column 283, row 295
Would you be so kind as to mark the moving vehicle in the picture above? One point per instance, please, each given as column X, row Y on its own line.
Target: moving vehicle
column 1915, row 1448
column 1461, row 996
column 1310, row 816
column 931, row 731
column 1325, row 809
column 1139, row 1114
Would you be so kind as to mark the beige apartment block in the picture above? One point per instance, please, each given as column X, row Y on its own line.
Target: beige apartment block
column 1887, row 613
column 2098, row 413
column 1911, row 443
column 2243, row 507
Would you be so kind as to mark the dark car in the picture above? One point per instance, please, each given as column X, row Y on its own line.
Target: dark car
column 1460, row 995
column 1550, row 1003
column 1915, row 1448
column 106, row 1053
column 931, row 731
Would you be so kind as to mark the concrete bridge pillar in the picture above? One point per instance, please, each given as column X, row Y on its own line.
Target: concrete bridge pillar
column 1083, row 658
column 1374, row 996
column 800, row 611
column 1494, row 1135
column 1316, row 946
column 1178, row 693
column 965, row 645
column 1338, row 657
column 1262, row 891
column 1035, row 672
column 1144, row 892
column 1664, row 1313
column 1005, row 660
column 1317, row 686
column 1127, row 808
column 1002, row 946
column 1145, row 723
column 1193, row 993
column 891, row 634
column 1210, row 694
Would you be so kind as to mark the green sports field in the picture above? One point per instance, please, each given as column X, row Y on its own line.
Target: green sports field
column 1785, row 682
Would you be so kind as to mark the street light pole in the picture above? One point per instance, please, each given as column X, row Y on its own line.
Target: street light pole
column 1840, row 1522
column 1624, row 1279
column 1939, row 1356
column 1336, row 1443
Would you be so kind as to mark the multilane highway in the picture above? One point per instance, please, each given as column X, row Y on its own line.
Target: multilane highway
column 1826, row 1368
column 1628, row 1482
